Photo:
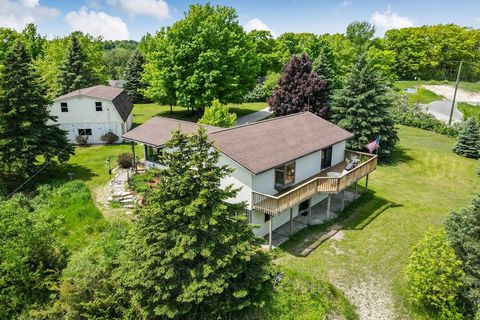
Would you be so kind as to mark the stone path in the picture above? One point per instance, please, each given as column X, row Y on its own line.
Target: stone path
column 118, row 189
column 253, row 117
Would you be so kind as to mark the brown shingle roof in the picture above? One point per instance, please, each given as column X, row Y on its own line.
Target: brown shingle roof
column 263, row 145
column 119, row 97
column 157, row 130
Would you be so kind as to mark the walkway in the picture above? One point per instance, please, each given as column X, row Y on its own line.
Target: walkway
column 441, row 111
column 319, row 216
column 253, row 117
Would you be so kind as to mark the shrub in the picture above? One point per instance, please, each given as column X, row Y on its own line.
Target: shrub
column 257, row 94
column 463, row 231
column 109, row 138
column 140, row 182
column 82, row 140
column 263, row 90
column 218, row 115
column 414, row 116
column 433, row 273
column 468, row 141
column 125, row 160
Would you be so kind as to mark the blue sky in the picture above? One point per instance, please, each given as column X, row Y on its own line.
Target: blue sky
column 130, row 19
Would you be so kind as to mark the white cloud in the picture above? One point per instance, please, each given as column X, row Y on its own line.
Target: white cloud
column 97, row 24
column 390, row 20
column 154, row 8
column 256, row 24
column 16, row 14
column 345, row 4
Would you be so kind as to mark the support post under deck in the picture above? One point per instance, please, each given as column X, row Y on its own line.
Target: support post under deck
column 270, row 233
column 366, row 182
column 343, row 200
column 328, row 205
column 291, row 221
column 356, row 190
column 310, row 212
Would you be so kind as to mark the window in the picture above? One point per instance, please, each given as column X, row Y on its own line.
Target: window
column 285, row 176
column 84, row 132
column 327, row 157
column 98, row 106
column 267, row 217
column 63, row 106
column 154, row 154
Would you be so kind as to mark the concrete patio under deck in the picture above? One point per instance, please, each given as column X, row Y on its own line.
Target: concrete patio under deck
column 319, row 216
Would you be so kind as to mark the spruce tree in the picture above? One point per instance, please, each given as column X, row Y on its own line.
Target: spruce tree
column 468, row 140
column 191, row 254
column 133, row 78
column 364, row 107
column 299, row 89
column 323, row 66
column 24, row 133
column 75, row 71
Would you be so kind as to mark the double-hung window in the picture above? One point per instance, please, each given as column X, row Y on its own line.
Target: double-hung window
column 285, row 176
column 63, row 107
column 98, row 106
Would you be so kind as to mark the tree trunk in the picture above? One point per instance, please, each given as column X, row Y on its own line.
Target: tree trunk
column 171, row 109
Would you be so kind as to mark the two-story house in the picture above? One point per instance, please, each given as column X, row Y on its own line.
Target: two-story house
column 92, row 112
column 284, row 166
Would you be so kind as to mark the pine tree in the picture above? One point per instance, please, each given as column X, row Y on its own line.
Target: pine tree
column 192, row 255
column 299, row 89
column 24, row 133
column 133, row 78
column 75, row 72
column 463, row 231
column 323, row 66
column 364, row 107
column 468, row 140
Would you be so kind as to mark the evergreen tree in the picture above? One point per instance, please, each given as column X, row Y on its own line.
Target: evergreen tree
column 299, row 89
column 133, row 78
column 468, row 140
column 323, row 66
column 364, row 107
column 463, row 231
column 192, row 255
column 24, row 133
column 76, row 72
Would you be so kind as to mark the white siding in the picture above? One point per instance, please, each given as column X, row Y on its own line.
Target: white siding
column 82, row 114
column 338, row 153
column 240, row 178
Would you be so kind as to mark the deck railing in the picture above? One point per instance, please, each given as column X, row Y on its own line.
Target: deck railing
column 275, row 204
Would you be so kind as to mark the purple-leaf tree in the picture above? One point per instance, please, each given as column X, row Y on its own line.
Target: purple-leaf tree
column 299, row 89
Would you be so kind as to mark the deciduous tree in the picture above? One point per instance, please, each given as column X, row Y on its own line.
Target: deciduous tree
column 24, row 133
column 191, row 255
column 364, row 107
column 299, row 89
column 218, row 115
column 204, row 56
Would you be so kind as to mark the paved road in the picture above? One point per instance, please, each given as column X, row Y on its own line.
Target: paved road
column 441, row 110
column 252, row 117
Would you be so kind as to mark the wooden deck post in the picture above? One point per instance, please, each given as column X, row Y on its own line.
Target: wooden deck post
column 270, row 233
column 134, row 162
column 328, row 205
column 310, row 212
column 343, row 200
column 291, row 220
column 355, row 197
column 366, row 182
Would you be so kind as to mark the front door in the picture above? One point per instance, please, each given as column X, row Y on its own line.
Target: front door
column 303, row 207
column 327, row 157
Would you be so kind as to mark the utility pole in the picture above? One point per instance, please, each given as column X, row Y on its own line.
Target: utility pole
column 455, row 93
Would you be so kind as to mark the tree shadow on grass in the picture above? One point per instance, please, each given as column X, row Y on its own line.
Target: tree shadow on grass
column 59, row 174
column 399, row 155
column 356, row 216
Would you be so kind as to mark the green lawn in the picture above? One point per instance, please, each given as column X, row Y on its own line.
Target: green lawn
column 143, row 112
column 366, row 260
column 469, row 110
column 423, row 96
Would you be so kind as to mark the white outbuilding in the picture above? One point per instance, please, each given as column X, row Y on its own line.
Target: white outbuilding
column 92, row 112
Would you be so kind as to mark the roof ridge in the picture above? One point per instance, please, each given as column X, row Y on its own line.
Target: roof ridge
column 263, row 121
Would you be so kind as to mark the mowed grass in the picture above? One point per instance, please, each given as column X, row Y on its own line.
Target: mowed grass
column 145, row 111
column 422, row 96
column 414, row 193
column 469, row 110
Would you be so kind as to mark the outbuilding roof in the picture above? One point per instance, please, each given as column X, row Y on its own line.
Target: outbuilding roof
column 263, row 145
column 118, row 96
column 157, row 131
column 258, row 146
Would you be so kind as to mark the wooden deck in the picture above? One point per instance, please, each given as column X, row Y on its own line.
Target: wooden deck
column 320, row 183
